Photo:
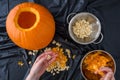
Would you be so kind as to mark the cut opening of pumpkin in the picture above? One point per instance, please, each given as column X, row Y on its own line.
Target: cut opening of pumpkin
column 26, row 19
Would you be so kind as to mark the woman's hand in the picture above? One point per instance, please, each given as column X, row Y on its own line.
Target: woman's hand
column 40, row 65
column 109, row 75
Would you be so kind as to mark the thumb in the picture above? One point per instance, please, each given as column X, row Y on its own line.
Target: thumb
column 41, row 61
column 108, row 76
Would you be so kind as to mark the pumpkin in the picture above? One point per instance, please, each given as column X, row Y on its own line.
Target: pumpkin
column 30, row 26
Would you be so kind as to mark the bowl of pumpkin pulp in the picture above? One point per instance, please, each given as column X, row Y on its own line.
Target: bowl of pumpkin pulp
column 93, row 61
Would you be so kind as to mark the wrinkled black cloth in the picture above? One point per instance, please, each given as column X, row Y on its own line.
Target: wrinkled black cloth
column 108, row 12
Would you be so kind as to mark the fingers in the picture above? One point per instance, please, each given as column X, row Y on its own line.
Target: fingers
column 113, row 78
column 39, row 57
column 50, row 61
column 53, row 56
column 45, row 55
column 44, row 62
column 51, row 53
column 105, row 69
column 108, row 76
column 102, row 78
column 41, row 61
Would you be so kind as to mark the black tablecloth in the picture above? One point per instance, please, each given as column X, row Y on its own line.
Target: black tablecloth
column 108, row 12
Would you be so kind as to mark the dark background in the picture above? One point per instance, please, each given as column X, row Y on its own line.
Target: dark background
column 108, row 12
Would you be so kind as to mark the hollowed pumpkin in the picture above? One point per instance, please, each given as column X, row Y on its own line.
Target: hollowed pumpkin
column 30, row 26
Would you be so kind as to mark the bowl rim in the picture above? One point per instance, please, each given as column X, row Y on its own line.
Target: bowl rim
column 71, row 33
column 94, row 51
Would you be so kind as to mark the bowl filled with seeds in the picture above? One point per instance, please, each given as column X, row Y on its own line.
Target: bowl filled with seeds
column 84, row 28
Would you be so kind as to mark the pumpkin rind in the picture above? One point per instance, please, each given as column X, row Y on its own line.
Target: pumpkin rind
column 36, row 37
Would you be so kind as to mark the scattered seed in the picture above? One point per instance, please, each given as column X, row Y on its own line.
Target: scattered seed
column 35, row 51
column 48, row 57
column 67, row 67
column 20, row 63
column 57, row 72
column 53, row 42
column 34, row 54
column 58, row 44
column 53, row 74
column 41, row 51
column 73, row 56
column 29, row 62
column 68, row 53
column 30, row 53
column 47, row 49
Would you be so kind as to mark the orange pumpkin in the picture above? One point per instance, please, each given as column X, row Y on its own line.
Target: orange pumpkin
column 30, row 26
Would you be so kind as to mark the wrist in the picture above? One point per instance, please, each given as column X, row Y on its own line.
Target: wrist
column 32, row 77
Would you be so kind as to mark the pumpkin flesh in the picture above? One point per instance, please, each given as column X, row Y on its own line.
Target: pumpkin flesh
column 26, row 19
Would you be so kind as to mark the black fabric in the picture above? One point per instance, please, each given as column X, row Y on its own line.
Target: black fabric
column 9, row 68
column 108, row 12
column 10, row 54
